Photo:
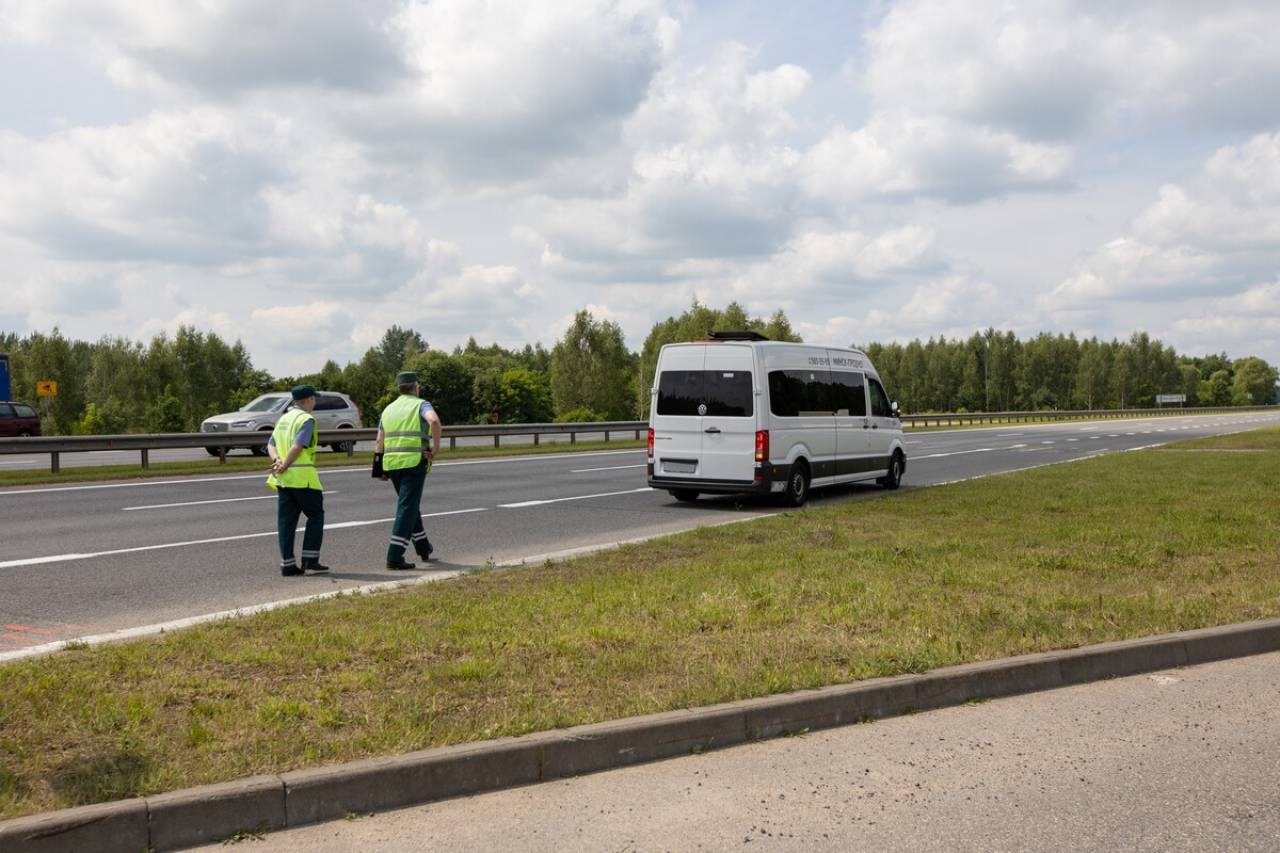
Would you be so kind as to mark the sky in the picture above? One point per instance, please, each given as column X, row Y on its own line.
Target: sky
column 302, row 175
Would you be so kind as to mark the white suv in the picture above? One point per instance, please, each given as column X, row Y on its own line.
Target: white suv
column 333, row 411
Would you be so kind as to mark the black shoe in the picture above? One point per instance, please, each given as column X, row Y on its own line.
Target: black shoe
column 401, row 565
column 290, row 571
column 314, row 567
column 426, row 557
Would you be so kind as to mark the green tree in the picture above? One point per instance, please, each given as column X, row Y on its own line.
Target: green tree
column 1254, row 383
column 592, row 368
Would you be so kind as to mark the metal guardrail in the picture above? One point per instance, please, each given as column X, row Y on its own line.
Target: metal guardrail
column 969, row 418
column 55, row 446
column 144, row 443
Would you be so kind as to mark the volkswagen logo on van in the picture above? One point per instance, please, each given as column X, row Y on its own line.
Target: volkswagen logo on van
column 702, row 409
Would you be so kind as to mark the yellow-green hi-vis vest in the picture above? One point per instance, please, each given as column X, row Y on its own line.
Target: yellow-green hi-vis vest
column 302, row 473
column 403, row 435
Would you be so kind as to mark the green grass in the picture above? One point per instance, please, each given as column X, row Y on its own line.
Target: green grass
column 1257, row 439
column 243, row 463
column 1115, row 547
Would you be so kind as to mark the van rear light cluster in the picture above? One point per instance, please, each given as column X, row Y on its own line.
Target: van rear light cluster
column 762, row 445
column 650, row 443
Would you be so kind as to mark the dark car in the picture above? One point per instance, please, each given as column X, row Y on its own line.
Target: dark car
column 18, row 419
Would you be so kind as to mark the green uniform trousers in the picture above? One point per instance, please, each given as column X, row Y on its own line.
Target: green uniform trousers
column 291, row 503
column 408, row 524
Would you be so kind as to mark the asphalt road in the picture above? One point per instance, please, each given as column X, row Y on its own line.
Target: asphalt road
column 1181, row 760
column 91, row 559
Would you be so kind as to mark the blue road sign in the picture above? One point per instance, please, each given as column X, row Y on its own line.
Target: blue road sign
column 6, row 391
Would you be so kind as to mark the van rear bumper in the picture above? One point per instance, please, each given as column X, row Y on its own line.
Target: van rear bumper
column 763, row 484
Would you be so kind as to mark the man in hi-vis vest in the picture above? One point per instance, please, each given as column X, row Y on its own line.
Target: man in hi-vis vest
column 292, row 448
column 405, row 430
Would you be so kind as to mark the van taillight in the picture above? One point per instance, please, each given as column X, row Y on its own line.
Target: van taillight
column 651, row 442
column 762, row 445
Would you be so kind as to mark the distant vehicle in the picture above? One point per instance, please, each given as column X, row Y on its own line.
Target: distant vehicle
column 333, row 411
column 18, row 419
column 740, row 413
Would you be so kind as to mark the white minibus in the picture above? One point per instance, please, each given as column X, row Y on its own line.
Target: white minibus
column 740, row 413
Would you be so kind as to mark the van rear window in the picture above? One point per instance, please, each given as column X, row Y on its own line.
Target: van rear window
column 725, row 393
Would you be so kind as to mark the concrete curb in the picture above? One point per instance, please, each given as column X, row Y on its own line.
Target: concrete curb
column 213, row 812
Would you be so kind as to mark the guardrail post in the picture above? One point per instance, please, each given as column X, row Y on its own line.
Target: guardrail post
column 606, row 436
column 637, row 435
column 495, row 440
column 222, row 456
column 535, row 439
column 54, row 463
column 573, row 438
column 453, row 442
column 146, row 459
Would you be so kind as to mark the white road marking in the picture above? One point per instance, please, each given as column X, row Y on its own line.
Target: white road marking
column 219, row 501
column 610, row 468
column 953, row 453
column 523, row 504
column 1008, row 434
column 1046, row 442
column 62, row 558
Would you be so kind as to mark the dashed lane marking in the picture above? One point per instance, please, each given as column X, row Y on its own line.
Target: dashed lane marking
column 523, row 504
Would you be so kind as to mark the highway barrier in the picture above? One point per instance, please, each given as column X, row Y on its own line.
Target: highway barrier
column 220, row 442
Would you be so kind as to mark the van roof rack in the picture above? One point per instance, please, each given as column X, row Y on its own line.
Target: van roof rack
column 737, row 336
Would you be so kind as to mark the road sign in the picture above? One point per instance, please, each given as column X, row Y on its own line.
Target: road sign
column 46, row 388
column 5, row 390
column 1161, row 399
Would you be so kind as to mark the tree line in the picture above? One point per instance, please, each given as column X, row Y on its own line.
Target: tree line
column 172, row 383
column 995, row 371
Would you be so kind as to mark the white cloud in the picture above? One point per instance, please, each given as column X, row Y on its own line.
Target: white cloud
column 899, row 154
column 1218, row 235
column 1056, row 69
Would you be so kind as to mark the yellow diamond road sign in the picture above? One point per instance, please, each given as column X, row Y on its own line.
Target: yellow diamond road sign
column 46, row 388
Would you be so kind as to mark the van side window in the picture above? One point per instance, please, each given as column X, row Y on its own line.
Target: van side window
column 24, row 411
column 329, row 403
column 879, row 400
column 6, row 411
column 800, row 393
column 725, row 393
column 849, row 399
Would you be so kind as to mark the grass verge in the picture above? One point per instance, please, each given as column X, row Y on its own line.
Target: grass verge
column 1109, row 548
column 245, row 463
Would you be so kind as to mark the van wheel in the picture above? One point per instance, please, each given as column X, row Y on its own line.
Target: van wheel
column 797, row 485
column 894, row 478
column 686, row 495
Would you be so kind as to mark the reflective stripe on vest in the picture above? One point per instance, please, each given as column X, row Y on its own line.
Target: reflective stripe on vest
column 302, row 473
column 403, row 433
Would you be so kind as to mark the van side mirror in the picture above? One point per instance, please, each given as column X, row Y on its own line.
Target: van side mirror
column 893, row 407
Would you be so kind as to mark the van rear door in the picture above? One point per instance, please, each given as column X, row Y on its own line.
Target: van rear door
column 729, row 425
column 677, row 426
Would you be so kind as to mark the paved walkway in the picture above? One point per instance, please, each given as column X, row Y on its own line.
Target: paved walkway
column 1182, row 760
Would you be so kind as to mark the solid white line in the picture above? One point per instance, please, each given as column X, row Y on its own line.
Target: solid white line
column 62, row 558
column 1008, row 434
column 202, row 503
column 610, row 468
column 523, row 504
column 952, row 453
